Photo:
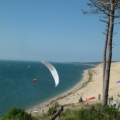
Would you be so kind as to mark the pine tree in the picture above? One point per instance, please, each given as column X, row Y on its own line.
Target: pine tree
column 110, row 10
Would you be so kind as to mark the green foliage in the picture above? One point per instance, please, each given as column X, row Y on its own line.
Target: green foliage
column 70, row 115
column 50, row 110
column 17, row 114
column 42, row 117
column 112, row 112
column 56, row 104
column 98, row 113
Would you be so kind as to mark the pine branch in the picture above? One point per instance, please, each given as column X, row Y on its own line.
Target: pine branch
column 116, row 3
column 117, row 23
column 104, row 3
column 99, row 8
column 117, row 16
column 103, row 21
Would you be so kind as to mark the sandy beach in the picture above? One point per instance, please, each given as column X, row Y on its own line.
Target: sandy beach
column 90, row 86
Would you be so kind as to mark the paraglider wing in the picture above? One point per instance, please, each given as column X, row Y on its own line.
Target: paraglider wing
column 53, row 72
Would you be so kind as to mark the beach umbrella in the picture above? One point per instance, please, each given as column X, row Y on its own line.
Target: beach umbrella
column 118, row 81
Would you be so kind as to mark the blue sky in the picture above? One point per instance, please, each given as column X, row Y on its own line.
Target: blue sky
column 52, row 30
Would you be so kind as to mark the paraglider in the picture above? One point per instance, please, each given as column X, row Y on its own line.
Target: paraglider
column 34, row 80
column 53, row 71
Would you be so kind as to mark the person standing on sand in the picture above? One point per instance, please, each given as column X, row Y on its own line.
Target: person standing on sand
column 80, row 100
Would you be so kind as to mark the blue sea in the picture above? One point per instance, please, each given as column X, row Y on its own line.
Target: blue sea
column 17, row 88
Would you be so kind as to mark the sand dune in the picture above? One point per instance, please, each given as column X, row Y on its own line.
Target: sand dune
column 91, row 85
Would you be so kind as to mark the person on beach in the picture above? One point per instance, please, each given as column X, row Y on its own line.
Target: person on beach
column 80, row 100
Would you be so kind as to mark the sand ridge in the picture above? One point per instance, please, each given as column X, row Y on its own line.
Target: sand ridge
column 90, row 86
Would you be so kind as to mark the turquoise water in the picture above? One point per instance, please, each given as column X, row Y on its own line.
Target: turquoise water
column 17, row 89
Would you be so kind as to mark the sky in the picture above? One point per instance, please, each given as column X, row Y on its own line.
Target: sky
column 52, row 30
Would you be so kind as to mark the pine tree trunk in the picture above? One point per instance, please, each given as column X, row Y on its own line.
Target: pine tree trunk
column 109, row 57
column 104, row 56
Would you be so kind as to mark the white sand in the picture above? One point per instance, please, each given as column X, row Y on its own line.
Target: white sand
column 92, row 88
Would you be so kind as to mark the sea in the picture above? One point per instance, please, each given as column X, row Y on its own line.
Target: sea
column 18, row 90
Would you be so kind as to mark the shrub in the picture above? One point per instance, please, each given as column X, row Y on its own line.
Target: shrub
column 53, row 108
column 50, row 110
column 70, row 115
column 98, row 113
column 17, row 114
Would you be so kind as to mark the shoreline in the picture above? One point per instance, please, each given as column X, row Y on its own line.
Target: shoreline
column 90, row 85
column 45, row 105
